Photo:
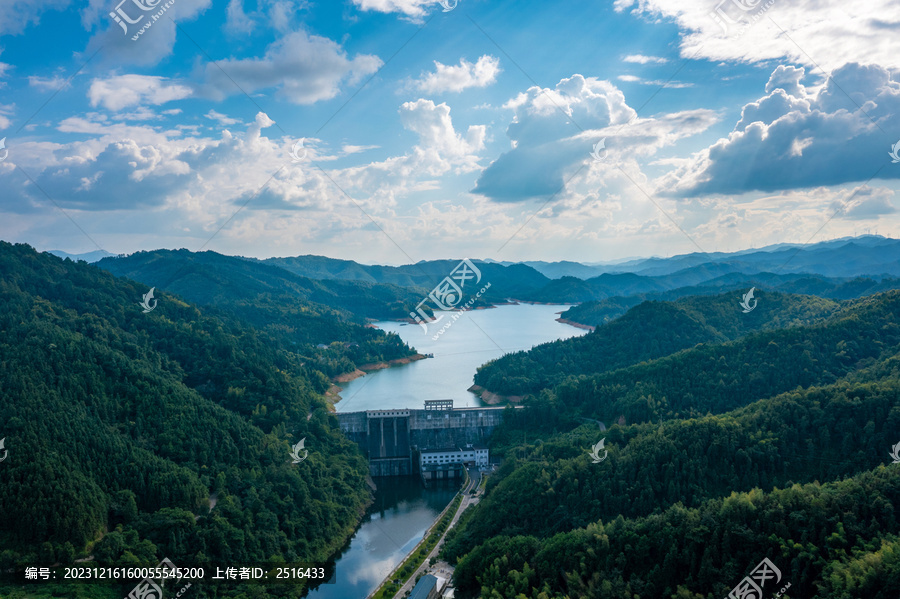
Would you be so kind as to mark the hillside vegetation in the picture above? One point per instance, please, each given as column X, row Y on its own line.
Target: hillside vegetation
column 772, row 444
column 301, row 314
column 121, row 425
column 647, row 331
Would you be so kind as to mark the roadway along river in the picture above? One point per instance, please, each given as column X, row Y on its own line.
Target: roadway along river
column 403, row 510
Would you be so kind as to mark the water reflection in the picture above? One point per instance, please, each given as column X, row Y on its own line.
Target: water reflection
column 397, row 520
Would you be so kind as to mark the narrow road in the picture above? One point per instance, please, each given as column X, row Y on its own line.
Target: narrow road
column 442, row 569
column 600, row 424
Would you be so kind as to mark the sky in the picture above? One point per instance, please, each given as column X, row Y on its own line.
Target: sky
column 393, row 131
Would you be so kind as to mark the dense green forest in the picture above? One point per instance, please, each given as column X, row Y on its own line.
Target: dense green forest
column 717, row 378
column 773, row 443
column 122, row 426
column 827, row 540
column 649, row 330
column 599, row 312
column 299, row 313
column 805, row 434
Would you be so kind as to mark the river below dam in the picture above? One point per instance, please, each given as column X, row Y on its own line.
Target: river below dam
column 403, row 509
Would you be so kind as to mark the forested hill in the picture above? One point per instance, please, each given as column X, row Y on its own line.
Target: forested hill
column 300, row 313
column 647, row 331
column 718, row 378
column 775, row 445
column 514, row 281
column 212, row 278
column 120, row 425
column 838, row 270
column 803, row 436
column 598, row 312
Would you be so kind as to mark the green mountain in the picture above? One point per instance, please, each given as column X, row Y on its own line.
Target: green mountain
column 718, row 378
column 123, row 428
column 598, row 312
column 828, row 541
column 849, row 257
column 300, row 313
column 515, row 281
column 870, row 270
column 802, row 435
column 772, row 445
column 648, row 331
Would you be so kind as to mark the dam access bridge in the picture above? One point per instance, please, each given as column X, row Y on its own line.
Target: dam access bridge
column 393, row 440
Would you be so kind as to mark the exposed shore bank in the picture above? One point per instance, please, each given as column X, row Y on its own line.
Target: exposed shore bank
column 493, row 399
column 577, row 325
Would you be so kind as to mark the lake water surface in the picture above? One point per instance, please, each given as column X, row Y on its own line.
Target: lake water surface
column 466, row 343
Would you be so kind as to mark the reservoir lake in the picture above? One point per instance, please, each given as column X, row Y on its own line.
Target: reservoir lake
column 403, row 510
column 474, row 338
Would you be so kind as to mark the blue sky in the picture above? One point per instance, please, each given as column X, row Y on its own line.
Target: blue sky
column 442, row 134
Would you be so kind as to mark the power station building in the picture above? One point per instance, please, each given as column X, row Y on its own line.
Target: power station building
column 470, row 455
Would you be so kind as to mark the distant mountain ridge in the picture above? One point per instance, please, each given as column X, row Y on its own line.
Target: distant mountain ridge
column 89, row 257
column 831, row 268
column 870, row 256
column 864, row 255
column 514, row 281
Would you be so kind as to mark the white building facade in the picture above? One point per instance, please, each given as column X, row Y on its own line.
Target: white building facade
column 478, row 455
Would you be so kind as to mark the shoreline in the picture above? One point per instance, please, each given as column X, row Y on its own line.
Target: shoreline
column 577, row 325
column 530, row 303
column 333, row 394
column 371, row 367
column 493, row 399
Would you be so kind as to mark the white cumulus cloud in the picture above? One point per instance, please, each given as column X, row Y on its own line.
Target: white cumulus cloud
column 456, row 78
column 554, row 129
column 122, row 91
column 801, row 31
column 303, row 68
column 835, row 134
column 641, row 59
column 413, row 9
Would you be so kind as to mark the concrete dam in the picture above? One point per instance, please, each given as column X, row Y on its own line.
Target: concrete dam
column 393, row 439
